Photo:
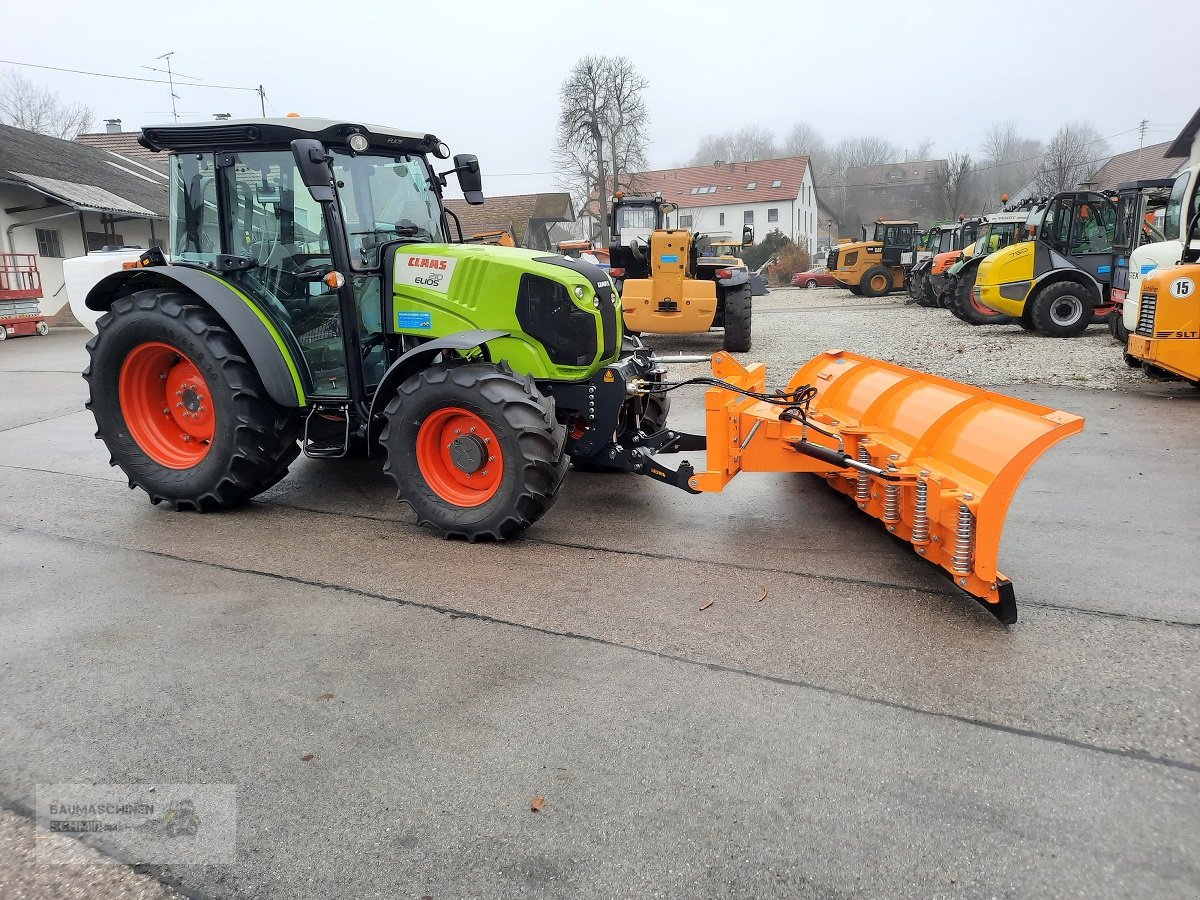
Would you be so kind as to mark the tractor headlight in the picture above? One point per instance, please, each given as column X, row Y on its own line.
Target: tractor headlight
column 579, row 292
column 358, row 142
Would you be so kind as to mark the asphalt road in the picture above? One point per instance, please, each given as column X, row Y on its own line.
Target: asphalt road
column 862, row 731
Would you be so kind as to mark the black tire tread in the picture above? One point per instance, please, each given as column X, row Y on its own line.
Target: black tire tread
column 265, row 436
column 1039, row 312
column 963, row 308
column 865, row 282
column 527, row 412
column 739, row 306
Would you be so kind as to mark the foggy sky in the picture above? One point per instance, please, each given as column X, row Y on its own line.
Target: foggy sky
column 484, row 77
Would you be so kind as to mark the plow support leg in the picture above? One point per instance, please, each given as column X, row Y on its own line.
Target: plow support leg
column 936, row 461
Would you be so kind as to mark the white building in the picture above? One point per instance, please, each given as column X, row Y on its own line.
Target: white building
column 60, row 199
column 718, row 199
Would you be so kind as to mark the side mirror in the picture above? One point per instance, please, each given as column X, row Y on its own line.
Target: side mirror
column 747, row 235
column 470, row 179
column 314, row 163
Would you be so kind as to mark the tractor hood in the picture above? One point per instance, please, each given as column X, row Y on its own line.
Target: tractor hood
column 562, row 315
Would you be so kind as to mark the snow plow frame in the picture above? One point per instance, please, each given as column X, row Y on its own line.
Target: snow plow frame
column 936, row 461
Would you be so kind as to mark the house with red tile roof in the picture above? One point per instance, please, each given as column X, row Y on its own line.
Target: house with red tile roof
column 718, row 199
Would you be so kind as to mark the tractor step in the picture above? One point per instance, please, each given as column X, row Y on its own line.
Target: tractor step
column 327, row 432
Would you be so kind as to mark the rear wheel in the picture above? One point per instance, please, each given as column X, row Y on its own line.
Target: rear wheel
column 474, row 450
column 179, row 406
column 876, row 282
column 964, row 305
column 42, row 328
column 738, row 305
column 811, row 283
column 1064, row 309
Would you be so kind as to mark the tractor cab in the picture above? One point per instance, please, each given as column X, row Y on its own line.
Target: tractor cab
column 260, row 217
column 632, row 222
column 898, row 240
column 1081, row 225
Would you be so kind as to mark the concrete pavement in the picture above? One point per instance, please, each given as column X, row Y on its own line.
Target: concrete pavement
column 863, row 731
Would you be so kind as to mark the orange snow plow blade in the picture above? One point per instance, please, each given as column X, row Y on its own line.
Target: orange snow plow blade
column 936, row 461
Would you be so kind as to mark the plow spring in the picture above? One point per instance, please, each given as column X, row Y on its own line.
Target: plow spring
column 937, row 462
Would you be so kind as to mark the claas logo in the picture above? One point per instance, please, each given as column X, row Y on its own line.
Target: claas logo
column 425, row 262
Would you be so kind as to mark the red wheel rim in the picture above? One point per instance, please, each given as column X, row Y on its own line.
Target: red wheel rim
column 459, row 456
column 167, row 405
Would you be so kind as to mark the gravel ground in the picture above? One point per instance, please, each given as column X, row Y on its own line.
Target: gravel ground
column 791, row 325
column 22, row 877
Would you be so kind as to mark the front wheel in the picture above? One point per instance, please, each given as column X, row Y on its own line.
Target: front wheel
column 474, row 449
column 1064, row 309
column 876, row 282
column 181, row 410
column 738, row 307
column 42, row 328
column 964, row 305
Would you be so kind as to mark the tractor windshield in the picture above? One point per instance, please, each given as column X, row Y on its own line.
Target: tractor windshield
column 385, row 198
column 1000, row 234
column 636, row 218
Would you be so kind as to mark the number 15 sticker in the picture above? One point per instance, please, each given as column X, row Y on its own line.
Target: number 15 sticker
column 1182, row 287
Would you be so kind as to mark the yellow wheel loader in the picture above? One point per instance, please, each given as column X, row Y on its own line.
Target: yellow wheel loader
column 873, row 268
column 666, row 287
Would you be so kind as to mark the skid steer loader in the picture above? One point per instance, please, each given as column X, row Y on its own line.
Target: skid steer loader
column 666, row 286
column 315, row 300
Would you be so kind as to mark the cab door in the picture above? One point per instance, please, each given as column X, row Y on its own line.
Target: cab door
column 898, row 242
column 1083, row 227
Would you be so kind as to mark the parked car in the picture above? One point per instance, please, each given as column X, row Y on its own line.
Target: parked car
column 814, row 277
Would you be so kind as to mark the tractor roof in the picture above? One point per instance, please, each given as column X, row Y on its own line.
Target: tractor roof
column 233, row 134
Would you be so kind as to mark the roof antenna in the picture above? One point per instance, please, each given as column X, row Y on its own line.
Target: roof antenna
column 171, row 76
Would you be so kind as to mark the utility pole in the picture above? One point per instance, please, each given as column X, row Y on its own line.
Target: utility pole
column 262, row 100
column 1142, row 132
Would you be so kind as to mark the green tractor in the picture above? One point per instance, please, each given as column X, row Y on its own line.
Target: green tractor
column 314, row 300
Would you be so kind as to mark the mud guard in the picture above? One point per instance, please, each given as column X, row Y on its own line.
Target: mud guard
column 419, row 358
column 278, row 362
column 938, row 462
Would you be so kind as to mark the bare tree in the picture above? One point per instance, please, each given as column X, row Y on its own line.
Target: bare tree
column 852, row 153
column 601, row 129
column 1075, row 151
column 1009, row 160
column 713, row 148
column 744, row 145
column 922, row 150
column 751, row 143
column 952, row 179
column 804, row 140
column 33, row 107
column 626, row 120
